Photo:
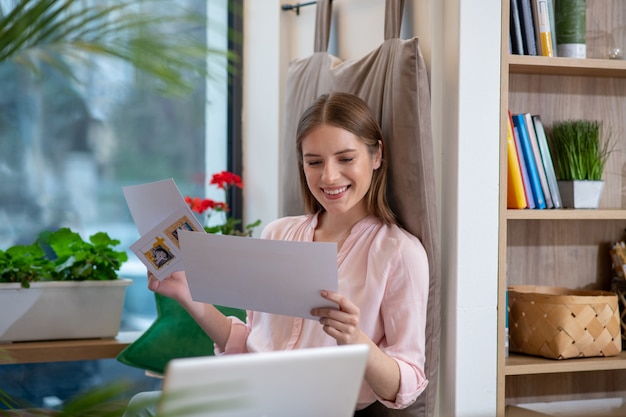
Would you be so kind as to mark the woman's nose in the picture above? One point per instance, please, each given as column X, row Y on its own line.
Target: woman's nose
column 330, row 174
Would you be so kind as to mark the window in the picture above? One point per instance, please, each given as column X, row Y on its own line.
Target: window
column 66, row 150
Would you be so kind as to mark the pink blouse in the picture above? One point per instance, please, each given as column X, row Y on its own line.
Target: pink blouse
column 384, row 271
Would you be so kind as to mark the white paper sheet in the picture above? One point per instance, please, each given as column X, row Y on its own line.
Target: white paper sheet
column 153, row 202
column 273, row 276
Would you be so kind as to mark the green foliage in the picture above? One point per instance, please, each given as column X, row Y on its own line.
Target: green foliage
column 62, row 255
column 62, row 32
column 229, row 227
column 579, row 149
column 112, row 400
column 108, row 400
column 25, row 263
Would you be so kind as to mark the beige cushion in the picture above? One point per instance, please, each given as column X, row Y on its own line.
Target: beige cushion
column 393, row 80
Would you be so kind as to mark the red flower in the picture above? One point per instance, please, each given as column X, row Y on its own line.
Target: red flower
column 230, row 226
column 225, row 178
column 200, row 205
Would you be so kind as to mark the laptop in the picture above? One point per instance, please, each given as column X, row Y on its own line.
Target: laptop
column 309, row 382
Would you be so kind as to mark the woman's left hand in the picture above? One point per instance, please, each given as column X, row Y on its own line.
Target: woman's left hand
column 341, row 323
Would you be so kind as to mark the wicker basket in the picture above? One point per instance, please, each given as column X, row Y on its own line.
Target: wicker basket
column 619, row 288
column 561, row 323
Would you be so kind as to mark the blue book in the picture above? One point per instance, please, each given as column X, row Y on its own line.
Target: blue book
column 546, row 157
column 527, row 150
column 530, row 200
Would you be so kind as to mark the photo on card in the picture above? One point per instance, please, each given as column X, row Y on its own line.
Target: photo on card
column 158, row 254
column 183, row 223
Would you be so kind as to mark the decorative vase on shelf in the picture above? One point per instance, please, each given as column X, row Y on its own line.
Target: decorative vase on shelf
column 581, row 194
column 571, row 28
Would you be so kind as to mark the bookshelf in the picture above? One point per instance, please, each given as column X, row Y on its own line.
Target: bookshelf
column 563, row 247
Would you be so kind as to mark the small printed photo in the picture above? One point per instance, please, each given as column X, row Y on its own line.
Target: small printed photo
column 181, row 224
column 159, row 256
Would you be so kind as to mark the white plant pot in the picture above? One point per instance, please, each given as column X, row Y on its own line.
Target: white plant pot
column 61, row 310
column 581, row 194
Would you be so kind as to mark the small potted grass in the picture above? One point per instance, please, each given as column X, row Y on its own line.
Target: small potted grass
column 580, row 150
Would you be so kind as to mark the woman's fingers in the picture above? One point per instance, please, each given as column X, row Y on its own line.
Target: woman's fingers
column 342, row 322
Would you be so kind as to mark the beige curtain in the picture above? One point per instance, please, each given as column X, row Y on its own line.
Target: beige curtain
column 392, row 79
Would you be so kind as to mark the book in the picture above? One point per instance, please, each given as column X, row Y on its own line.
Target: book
column 548, row 165
column 517, row 43
column 528, row 28
column 543, row 32
column 532, row 137
column 552, row 26
column 530, row 200
column 516, row 195
column 533, row 175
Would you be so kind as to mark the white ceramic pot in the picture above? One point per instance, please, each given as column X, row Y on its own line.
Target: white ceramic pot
column 580, row 194
column 61, row 310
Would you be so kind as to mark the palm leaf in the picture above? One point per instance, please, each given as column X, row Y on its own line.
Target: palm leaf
column 56, row 32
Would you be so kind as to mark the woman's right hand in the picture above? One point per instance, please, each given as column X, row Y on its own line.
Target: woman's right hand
column 212, row 321
column 173, row 286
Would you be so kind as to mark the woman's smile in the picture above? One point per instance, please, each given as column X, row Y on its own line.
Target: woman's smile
column 335, row 192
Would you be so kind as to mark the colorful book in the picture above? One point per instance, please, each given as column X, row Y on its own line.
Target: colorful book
column 532, row 136
column 530, row 200
column 517, row 42
column 528, row 27
column 527, row 150
column 552, row 25
column 546, row 157
column 516, row 195
column 543, row 32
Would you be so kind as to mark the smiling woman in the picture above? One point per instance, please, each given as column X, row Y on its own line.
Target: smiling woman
column 80, row 125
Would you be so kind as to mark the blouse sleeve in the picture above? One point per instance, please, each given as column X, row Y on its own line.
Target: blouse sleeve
column 237, row 341
column 403, row 310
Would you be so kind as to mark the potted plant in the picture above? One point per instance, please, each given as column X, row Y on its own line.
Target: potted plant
column 61, row 287
column 580, row 150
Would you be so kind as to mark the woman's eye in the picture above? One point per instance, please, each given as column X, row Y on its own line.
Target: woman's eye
column 346, row 160
column 313, row 163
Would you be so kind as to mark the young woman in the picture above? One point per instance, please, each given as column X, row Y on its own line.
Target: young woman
column 383, row 270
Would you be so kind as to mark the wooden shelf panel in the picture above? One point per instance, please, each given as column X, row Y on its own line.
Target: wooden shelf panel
column 529, row 365
column 65, row 350
column 566, row 214
column 521, row 64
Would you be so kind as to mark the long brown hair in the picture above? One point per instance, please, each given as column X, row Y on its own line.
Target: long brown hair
column 348, row 112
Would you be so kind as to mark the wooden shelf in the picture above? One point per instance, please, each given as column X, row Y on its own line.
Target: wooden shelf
column 566, row 214
column 527, row 365
column 561, row 247
column 521, row 64
column 65, row 350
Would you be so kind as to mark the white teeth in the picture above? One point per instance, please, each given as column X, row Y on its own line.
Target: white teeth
column 336, row 191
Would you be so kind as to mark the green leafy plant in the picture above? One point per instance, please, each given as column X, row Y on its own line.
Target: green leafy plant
column 59, row 33
column 112, row 400
column 580, row 149
column 62, row 255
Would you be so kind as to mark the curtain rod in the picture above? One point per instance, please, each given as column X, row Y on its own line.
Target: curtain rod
column 297, row 6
